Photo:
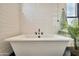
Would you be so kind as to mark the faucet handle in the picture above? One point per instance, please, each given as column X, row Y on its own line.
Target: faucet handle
column 41, row 33
column 39, row 30
column 35, row 33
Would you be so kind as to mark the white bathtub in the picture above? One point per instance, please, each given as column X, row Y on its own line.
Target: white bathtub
column 50, row 46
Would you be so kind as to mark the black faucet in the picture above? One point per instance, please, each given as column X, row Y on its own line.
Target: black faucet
column 39, row 33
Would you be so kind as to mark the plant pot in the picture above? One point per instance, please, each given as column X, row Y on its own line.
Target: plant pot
column 74, row 52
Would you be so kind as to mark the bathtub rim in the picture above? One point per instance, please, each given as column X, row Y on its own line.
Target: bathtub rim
column 23, row 38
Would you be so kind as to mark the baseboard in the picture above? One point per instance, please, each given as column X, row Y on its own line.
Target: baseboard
column 4, row 54
column 7, row 54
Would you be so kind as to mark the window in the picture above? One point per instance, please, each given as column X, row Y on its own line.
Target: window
column 71, row 9
column 71, row 13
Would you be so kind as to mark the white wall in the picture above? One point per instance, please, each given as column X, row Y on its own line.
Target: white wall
column 34, row 16
column 43, row 16
column 9, row 25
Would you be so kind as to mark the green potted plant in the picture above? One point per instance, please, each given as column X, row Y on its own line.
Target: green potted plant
column 69, row 30
column 74, row 32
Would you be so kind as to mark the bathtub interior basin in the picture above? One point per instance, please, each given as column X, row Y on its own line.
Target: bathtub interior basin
column 45, row 46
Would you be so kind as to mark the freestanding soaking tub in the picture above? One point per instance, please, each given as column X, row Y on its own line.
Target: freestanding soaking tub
column 45, row 46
